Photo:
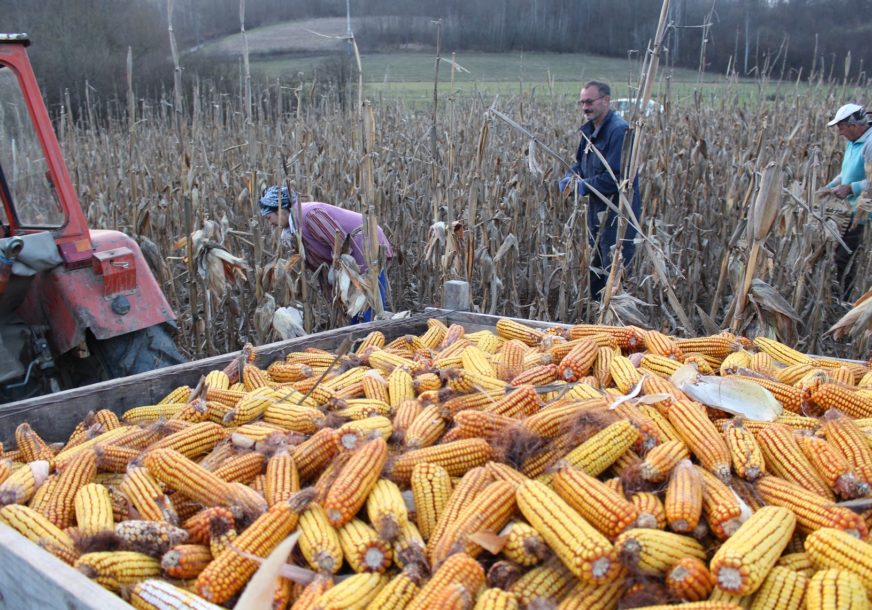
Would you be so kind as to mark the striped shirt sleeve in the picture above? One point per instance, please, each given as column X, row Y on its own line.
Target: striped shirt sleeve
column 323, row 228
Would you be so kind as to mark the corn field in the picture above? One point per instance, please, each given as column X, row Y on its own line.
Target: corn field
column 462, row 195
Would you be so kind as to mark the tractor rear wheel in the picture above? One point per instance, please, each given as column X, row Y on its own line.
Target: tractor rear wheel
column 138, row 352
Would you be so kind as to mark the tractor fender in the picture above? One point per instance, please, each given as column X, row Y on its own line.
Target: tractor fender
column 115, row 294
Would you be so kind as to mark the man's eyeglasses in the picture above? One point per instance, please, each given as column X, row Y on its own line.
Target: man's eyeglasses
column 589, row 102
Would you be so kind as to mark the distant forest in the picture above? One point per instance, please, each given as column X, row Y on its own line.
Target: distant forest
column 87, row 40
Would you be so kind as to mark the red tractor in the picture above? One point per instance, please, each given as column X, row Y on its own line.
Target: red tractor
column 76, row 305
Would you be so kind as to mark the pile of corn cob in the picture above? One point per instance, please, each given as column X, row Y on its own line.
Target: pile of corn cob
column 519, row 468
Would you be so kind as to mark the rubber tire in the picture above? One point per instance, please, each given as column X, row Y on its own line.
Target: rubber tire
column 138, row 352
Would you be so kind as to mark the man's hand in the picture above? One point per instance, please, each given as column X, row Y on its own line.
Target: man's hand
column 842, row 191
column 564, row 183
column 823, row 192
column 567, row 183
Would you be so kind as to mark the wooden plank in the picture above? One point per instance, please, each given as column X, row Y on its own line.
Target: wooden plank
column 32, row 578
column 55, row 415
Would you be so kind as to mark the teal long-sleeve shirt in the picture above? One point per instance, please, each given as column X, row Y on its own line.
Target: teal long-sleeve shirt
column 853, row 166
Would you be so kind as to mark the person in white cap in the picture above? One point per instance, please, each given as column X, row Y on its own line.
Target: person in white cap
column 852, row 123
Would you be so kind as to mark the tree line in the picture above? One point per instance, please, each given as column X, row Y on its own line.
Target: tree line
column 81, row 47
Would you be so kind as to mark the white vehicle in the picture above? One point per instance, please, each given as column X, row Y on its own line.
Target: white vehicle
column 624, row 107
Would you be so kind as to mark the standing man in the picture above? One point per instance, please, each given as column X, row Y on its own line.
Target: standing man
column 318, row 224
column 852, row 124
column 604, row 131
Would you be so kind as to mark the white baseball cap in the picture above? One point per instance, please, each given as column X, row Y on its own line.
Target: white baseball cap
column 845, row 112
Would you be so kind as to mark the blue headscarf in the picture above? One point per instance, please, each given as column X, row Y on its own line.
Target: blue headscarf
column 269, row 200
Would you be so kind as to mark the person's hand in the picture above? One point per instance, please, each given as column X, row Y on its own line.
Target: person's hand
column 842, row 191
column 564, row 183
column 823, row 192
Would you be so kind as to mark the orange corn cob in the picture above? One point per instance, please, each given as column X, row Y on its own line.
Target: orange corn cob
column 832, row 465
column 194, row 441
column 558, row 417
column 490, row 510
column 185, row 561
column 720, row 505
column 690, row 580
column 458, row 569
column 545, row 584
column 684, row 498
column 242, row 468
column 607, row 511
column 601, row 365
column 146, row 496
column 720, row 346
column 469, row 486
column 524, row 400
column 701, row 437
column 31, row 445
column 187, row 477
column 311, row 455
column 38, row 529
column 356, row 479
column 579, row 361
column 282, row 480
column 856, row 403
column 395, row 595
column 848, row 437
column 375, row 387
column 629, row 338
column 745, row 452
column 481, row 424
column 582, row 549
column 660, row 344
column 456, row 457
column 426, row 428
column 230, row 570
column 784, row 458
column 363, row 549
column 812, row 511
column 662, row 459
column 59, row 506
column 509, row 362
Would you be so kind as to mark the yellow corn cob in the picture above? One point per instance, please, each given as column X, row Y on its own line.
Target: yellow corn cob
column 108, row 437
column 602, row 363
column 624, row 374
column 296, row 418
column 848, row 437
column 835, row 589
column 490, row 510
column 734, row 362
column 409, row 548
column 781, row 352
column 511, row 329
column 154, row 594
column 684, row 498
column 363, row 549
column 742, row 562
column 313, row 454
column 719, row 505
column 653, row 385
column 798, row 562
column 242, row 468
column 6, row 468
column 652, row 552
column 607, row 511
column 745, row 452
column 602, row 449
column 701, row 437
column 193, row 441
column 557, row 418
column 496, row 599
column 479, row 400
column 426, row 428
column 346, row 380
column 152, row 413
column 582, row 549
column 319, row 541
column 59, row 506
column 523, row 544
column 431, row 488
column 22, row 484
column 784, row 458
column 228, row 397
column 662, row 366
column 832, row 548
column 469, row 486
column 396, row 594
column 230, row 570
column 812, row 511
column 628, row 338
column 593, row 597
column 426, row 382
column 706, row 365
column 354, row 593
column 360, row 408
column 783, row 589
column 690, row 580
column 355, row 481
column 116, row 569
column 153, row 538
column 373, row 339
column 282, row 479
column 476, row 360
column 354, row 433
column 38, row 529
column 435, row 335
column 93, row 509
column 186, row 476
column 386, row 362
column 457, row 569
column 509, row 362
column 456, row 457
column 545, row 584
column 400, row 386
column 832, row 465
column 763, row 364
column 146, row 495
column 375, row 387
column 523, row 400
column 185, row 561
column 504, row 472
column 221, row 453
column 31, row 445
column 662, row 459
column 720, row 346
column 709, row 604
column 487, row 341
column 386, row 509
column 661, row 345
